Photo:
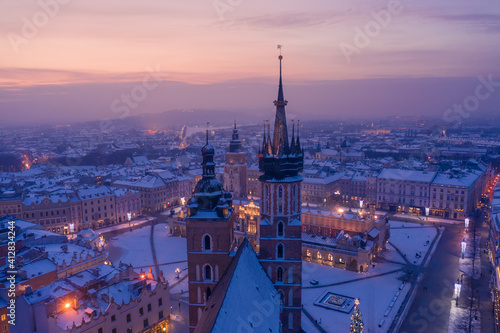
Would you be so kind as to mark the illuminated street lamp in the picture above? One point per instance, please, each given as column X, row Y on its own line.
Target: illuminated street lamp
column 467, row 222
column 177, row 273
column 129, row 216
column 458, row 287
column 360, row 203
column 427, row 209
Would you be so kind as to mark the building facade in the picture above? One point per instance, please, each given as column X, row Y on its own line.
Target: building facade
column 52, row 212
column 404, row 190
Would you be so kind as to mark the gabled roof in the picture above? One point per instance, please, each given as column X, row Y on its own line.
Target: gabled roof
column 243, row 289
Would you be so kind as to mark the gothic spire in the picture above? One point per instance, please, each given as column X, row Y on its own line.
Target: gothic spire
column 292, row 143
column 280, row 130
column 269, row 145
column 297, row 141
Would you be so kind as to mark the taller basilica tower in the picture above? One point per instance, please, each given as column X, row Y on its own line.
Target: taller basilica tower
column 280, row 160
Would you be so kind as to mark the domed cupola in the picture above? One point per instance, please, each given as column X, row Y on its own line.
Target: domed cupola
column 208, row 190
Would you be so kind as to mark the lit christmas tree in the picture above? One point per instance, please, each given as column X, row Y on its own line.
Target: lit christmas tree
column 357, row 320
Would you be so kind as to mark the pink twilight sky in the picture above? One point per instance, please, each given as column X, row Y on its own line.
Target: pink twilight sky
column 88, row 53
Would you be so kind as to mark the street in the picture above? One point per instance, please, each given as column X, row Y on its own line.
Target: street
column 430, row 309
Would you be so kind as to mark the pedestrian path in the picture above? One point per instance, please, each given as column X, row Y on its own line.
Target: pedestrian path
column 401, row 254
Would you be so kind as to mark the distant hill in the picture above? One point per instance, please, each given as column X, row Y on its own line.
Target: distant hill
column 175, row 118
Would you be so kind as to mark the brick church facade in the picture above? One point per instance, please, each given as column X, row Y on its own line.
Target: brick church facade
column 209, row 228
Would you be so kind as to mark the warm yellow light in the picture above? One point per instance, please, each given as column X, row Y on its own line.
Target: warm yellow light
column 67, row 305
column 143, row 276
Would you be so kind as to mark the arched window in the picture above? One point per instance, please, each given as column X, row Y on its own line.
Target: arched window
column 294, row 198
column 208, row 293
column 197, row 272
column 318, row 255
column 290, row 320
column 207, row 272
column 207, row 243
column 280, row 229
column 330, row 257
column 279, row 274
column 282, row 296
column 280, row 199
column 290, row 274
column 280, row 251
column 308, row 253
column 266, row 198
column 290, row 297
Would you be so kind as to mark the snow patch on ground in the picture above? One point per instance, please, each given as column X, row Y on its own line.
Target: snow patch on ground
column 428, row 219
column 412, row 239
column 459, row 320
column 170, row 249
column 375, row 295
column 135, row 246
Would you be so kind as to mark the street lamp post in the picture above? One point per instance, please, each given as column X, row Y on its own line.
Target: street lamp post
column 361, row 204
column 458, row 287
column 467, row 223
column 463, row 246
column 129, row 216
column 177, row 273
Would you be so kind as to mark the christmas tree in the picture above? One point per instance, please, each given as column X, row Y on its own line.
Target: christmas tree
column 357, row 320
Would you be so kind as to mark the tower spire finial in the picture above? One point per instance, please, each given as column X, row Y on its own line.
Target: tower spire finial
column 280, row 89
column 280, row 136
column 208, row 123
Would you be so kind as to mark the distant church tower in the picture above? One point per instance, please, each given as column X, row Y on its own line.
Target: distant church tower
column 209, row 234
column 280, row 226
column 235, row 169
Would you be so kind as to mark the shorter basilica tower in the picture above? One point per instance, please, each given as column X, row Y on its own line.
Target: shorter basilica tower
column 235, row 169
column 209, row 236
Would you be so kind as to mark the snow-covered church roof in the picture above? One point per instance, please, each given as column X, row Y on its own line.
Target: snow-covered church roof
column 243, row 296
